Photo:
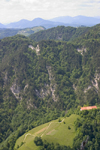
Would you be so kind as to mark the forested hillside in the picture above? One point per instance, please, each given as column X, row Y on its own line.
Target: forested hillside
column 40, row 81
column 88, row 127
column 26, row 32
column 60, row 33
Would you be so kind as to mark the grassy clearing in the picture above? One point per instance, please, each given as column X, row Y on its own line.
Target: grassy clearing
column 54, row 131
column 29, row 31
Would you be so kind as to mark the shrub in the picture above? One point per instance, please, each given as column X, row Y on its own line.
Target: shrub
column 69, row 127
column 59, row 120
column 38, row 141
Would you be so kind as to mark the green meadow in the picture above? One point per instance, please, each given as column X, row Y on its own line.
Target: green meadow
column 28, row 31
column 54, row 131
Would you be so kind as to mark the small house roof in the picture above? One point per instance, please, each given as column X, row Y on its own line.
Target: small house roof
column 88, row 107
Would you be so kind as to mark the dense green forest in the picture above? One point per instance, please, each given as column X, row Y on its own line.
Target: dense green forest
column 88, row 126
column 60, row 33
column 8, row 32
column 40, row 81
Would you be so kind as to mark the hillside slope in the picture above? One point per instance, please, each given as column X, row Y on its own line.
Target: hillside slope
column 26, row 32
column 41, row 81
column 53, row 131
column 59, row 33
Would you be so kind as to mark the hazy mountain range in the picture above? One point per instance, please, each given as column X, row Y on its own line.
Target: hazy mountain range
column 79, row 20
column 64, row 20
column 2, row 26
column 36, row 22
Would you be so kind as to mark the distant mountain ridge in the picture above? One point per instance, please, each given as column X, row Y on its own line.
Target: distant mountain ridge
column 35, row 22
column 2, row 26
column 80, row 20
column 59, row 21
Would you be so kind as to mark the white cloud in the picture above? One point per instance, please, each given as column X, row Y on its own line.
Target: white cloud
column 14, row 10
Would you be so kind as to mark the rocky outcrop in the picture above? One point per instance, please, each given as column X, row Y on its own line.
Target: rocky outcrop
column 29, row 104
column 53, row 89
column 89, row 87
column 15, row 89
column 95, row 81
column 48, row 89
column 52, row 83
column 82, row 50
column 43, row 92
column 26, row 86
column 74, row 87
column 37, row 49
column 30, row 46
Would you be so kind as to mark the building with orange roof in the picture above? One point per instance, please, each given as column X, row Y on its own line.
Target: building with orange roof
column 88, row 108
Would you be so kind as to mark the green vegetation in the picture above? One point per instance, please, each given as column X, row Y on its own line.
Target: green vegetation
column 51, row 146
column 26, row 32
column 42, row 81
column 29, row 31
column 7, row 32
column 88, row 125
column 52, row 132
column 59, row 33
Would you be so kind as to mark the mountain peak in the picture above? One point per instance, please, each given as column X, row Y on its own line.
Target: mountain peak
column 38, row 19
column 2, row 26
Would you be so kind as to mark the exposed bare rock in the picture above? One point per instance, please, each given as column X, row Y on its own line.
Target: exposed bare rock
column 53, row 89
column 81, row 50
column 15, row 89
column 30, row 46
column 95, row 81
column 29, row 104
column 89, row 87
column 48, row 89
column 52, row 83
column 37, row 50
column 26, row 86
column 51, row 77
column 74, row 87
column 43, row 92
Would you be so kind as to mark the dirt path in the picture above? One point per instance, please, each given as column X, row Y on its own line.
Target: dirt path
column 49, row 126
column 44, row 129
column 35, row 133
column 63, row 120
column 41, row 130
column 27, row 135
column 50, row 132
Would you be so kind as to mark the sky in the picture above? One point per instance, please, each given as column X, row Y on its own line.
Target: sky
column 15, row 10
